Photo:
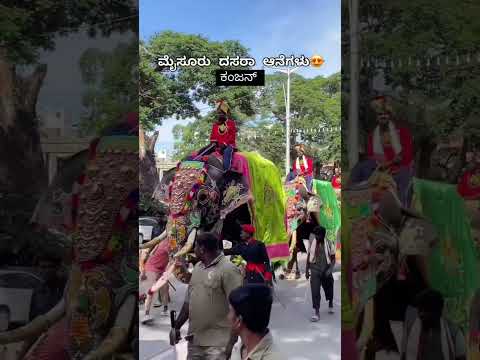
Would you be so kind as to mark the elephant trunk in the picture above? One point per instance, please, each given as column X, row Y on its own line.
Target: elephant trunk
column 218, row 227
column 36, row 327
column 118, row 334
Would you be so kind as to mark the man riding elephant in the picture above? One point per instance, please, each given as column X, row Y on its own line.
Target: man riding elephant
column 203, row 197
column 390, row 147
column 222, row 137
column 303, row 166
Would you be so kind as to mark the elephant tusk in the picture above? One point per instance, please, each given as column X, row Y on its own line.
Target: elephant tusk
column 118, row 334
column 294, row 241
column 36, row 327
column 154, row 241
column 188, row 246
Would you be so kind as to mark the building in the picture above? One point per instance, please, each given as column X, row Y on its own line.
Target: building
column 59, row 139
column 163, row 162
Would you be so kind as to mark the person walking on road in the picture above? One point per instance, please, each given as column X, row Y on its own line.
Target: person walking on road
column 210, row 335
column 254, row 252
column 427, row 334
column 250, row 308
column 154, row 267
column 320, row 263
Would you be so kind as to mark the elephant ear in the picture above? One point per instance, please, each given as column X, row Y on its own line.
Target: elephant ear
column 161, row 191
column 295, row 207
column 235, row 192
column 418, row 237
column 53, row 210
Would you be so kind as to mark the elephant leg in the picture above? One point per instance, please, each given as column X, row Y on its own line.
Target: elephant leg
column 293, row 252
column 51, row 345
column 118, row 334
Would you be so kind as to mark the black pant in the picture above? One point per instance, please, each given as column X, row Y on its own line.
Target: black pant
column 207, row 150
column 319, row 280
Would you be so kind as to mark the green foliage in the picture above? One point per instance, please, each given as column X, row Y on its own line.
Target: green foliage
column 149, row 207
column 314, row 103
column 112, row 86
column 164, row 94
column 29, row 26
column 442, row 97
column 258, row 112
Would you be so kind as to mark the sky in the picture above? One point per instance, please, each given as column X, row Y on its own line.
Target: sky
column 265, row 27
column 63, row 86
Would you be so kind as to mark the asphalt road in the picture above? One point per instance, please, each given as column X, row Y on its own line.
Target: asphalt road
column 296, row 337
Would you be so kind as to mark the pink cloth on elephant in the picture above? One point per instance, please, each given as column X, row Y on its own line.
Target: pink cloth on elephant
column 240, row 165
column 53, row 346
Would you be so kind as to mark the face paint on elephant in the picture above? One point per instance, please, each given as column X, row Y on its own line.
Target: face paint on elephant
column 94, row 317
column 54, row 210
column 194, row 203
column 201, row 197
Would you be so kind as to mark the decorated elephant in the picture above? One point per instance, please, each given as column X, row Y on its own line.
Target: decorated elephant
column 96, row 317
column 386, row 249
column 202, row 197
column 300, row 204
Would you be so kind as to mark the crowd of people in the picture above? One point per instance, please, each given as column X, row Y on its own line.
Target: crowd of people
column 225, row 301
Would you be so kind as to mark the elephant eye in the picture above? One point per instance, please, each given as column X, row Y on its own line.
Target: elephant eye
column 202, row 197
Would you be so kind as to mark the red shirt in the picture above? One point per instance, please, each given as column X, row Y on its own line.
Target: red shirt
column 301, row 170
column 336, row 182
column 469, row 185
column 228, row 136
column 406, row 140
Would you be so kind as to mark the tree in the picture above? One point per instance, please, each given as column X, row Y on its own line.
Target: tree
column 315, row 103
column 112, row 85
column 436, row 98
column 27, row 28
column 165, row 94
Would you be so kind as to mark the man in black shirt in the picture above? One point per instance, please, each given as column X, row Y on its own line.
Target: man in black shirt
column 254, row 252
column 320, row 263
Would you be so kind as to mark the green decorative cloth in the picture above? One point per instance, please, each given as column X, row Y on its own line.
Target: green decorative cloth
column 454, row 267
column 268, row 208
column 330, row 212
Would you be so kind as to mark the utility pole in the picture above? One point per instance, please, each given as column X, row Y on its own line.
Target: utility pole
column 354, row 85
column 287, row 125
column 287, row 71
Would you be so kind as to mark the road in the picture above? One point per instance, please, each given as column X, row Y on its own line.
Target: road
column 296, row 337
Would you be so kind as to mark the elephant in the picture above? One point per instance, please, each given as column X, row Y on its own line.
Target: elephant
column 96, row 317
column 384, row 239
column 202, row 197
column 300, row 205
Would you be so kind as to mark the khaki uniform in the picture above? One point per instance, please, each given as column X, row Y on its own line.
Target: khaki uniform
column 207, row 297
column 265, row 350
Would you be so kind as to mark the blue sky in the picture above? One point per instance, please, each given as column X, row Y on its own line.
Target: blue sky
column 266, row 27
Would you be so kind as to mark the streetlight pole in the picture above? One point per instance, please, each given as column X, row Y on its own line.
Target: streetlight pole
column 287, row 71
column 287, row 126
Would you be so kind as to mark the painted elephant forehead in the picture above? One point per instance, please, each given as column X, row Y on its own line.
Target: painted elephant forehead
column 110, row 177
column 185, row 179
